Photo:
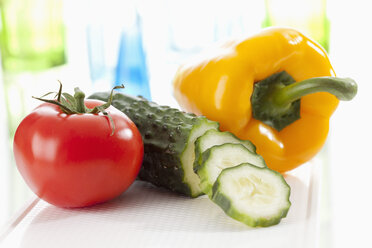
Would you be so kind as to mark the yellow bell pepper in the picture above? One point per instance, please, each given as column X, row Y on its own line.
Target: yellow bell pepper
column 277, row 89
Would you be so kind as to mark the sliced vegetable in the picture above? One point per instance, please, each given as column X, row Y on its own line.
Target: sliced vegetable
column 217, row 158
column 168, row 136
column 228, row 169
column 213, row 138
column 252, row 195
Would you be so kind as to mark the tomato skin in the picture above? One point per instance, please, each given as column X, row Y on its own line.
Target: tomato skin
column 73, row 160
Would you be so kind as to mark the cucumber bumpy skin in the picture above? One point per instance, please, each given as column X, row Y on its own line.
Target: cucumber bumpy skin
column 214, row 137
column 219, row 157
column 252, row 195
column 168, row 135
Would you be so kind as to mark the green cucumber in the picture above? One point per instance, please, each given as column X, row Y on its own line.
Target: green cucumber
column 187, row 154
column 252, row 195
column 168, row 135
column 219, row 157
column 213, row 138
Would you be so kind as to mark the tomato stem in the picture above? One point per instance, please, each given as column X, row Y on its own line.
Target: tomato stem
column 75, row 104
column 80, row 105
column 59, row 92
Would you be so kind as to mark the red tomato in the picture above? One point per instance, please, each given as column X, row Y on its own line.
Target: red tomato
column 73, row 160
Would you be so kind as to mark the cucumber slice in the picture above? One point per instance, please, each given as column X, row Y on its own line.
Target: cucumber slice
column 252, row 195
column 217, row 158
column 168, row 135
column 188, row 155
column 213, row 138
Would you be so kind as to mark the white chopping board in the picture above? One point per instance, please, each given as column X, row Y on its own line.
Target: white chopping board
column 146, row 216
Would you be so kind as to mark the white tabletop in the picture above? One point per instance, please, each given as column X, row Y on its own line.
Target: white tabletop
column 146, row 216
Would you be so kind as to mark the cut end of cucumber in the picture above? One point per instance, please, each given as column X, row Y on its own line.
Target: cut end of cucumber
column 217, row 158
column 188, row 155
column 252, row 195
column 214, row 137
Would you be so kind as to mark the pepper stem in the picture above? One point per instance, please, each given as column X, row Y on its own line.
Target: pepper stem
column 343, row 88
column 276, row 99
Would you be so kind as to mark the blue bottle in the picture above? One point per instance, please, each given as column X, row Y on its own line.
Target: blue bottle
column 131, row 67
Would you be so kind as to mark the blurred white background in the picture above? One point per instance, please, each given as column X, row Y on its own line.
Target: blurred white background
column 175, row 30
